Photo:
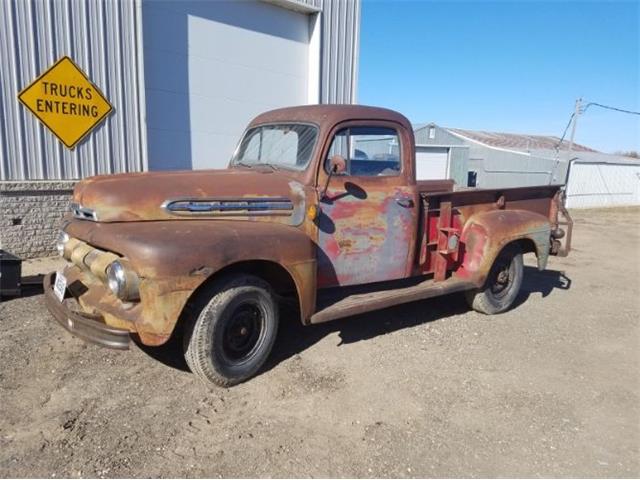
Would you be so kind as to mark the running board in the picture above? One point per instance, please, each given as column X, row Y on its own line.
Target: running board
column 333, row 308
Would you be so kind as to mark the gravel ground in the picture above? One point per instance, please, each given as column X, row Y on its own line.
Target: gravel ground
column 550, row 388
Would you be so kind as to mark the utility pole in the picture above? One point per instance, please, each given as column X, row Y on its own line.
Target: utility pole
column 576, row 114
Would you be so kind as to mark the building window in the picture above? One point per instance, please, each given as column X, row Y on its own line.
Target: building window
column 432, row 133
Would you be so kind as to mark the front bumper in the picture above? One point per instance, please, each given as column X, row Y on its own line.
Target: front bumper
column 90, row 328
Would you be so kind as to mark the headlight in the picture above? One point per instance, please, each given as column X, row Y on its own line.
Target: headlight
column 123, row 282
column 63, row 238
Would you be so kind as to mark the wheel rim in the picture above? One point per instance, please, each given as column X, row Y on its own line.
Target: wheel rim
column 242, row 332
column 502, row 276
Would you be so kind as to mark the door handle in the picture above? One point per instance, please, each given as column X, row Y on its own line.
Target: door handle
column 405, row 202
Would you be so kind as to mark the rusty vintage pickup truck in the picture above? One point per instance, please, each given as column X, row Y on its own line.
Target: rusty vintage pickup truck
column 319, row 207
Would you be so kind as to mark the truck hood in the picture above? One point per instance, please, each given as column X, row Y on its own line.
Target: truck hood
column 241, row 194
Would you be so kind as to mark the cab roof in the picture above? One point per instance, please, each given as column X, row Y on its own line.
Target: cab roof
column 326, row 116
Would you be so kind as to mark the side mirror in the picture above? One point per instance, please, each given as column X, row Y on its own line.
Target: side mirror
column 337, row 165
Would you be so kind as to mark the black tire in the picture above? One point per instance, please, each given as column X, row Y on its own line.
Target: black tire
column 502, row 285
column 232, row 332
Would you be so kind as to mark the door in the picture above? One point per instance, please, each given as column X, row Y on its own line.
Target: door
column 432, row 163
column 366, row 226
column 210, row 67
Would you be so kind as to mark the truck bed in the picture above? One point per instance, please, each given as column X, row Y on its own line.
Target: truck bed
column 444, row 212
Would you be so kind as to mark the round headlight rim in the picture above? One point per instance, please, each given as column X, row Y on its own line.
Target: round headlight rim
column 117, row 279
column 123, row 281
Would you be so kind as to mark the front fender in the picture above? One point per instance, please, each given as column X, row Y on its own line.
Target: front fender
column 485, row 234
column 173, row 258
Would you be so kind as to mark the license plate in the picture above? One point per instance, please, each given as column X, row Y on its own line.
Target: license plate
column 60, row 286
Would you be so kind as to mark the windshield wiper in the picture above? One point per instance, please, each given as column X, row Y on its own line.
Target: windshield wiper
column 259, row 164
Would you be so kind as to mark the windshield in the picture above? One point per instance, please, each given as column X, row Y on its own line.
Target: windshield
column 287, row 145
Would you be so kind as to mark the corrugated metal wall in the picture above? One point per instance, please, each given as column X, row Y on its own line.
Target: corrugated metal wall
column 593, row 185
column 459, row 165
column 502, row 168
column 340, row 48
column 102, row 38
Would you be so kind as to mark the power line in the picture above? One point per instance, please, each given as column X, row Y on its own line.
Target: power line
column 631, row 112
column 565, row 130
column 583, row 110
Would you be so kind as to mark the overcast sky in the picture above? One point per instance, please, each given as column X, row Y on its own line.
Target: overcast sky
column 506, row 66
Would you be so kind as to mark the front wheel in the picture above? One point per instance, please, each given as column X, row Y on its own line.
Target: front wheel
column 502, row 285
column 233, row 333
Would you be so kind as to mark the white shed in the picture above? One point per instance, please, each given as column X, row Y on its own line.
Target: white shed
column 599, row 180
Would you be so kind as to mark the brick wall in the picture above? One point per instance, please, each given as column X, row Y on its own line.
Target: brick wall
column 30, row 215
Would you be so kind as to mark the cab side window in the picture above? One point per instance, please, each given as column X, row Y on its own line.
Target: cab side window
column 368, row 151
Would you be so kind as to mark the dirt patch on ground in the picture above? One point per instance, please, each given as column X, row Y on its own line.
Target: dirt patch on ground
column 550, row 388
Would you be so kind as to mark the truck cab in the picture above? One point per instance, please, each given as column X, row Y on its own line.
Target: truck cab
column 319, row 207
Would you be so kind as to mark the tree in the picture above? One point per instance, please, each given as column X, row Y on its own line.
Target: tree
column 630, row 153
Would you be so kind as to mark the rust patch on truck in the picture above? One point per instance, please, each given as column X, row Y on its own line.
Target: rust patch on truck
column 363, row 239
column 487, row 233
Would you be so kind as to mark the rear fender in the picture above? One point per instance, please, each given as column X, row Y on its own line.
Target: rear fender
column 485, row 234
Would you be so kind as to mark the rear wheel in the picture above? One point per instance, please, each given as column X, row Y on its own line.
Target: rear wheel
column 502, row 285
column 232, row 335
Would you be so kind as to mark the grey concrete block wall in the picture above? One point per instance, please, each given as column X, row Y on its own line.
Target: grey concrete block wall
column 30, row 216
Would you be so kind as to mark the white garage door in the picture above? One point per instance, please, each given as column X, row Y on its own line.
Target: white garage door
column 432, row 163
column 212, row 66
column 603, row 185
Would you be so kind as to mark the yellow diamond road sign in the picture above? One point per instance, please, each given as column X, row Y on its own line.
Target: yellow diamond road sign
column 66, row 101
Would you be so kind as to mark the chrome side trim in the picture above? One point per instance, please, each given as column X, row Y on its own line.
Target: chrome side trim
column 229, row 206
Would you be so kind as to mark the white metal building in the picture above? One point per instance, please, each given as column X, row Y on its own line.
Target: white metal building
column 494, row 160
column 600, row 180
column 183, row 77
